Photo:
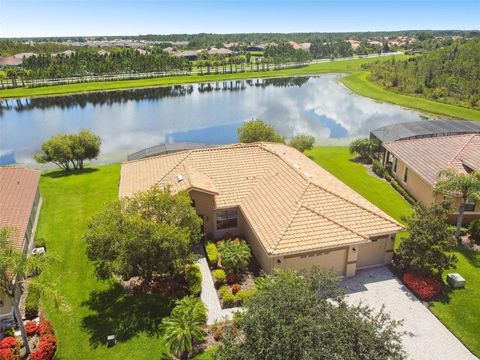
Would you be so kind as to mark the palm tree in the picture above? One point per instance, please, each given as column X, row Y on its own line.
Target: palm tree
column 15, row 266
column 464, row 186
column 184, row 326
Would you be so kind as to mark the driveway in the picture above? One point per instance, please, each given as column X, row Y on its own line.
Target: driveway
column 432, row 340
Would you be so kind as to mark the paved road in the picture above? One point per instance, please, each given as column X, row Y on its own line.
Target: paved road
column 432, row 340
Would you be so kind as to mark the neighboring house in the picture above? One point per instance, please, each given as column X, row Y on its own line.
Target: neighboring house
column 20, row 203
column 293, row 213
column 415, row 164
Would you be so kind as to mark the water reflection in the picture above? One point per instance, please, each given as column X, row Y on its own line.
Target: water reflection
column 210, row 113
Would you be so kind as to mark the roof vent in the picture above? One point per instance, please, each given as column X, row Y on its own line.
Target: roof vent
column 296, row 166
column 180, row 177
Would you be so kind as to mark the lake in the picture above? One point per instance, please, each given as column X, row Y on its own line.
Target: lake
column 209, row 113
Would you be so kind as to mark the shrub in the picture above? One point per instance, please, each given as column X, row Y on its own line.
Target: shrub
column 31, row 303
column 8, row 343
column 235, row 255
column 302, row 142
column 245, row 295
column 9, row 332
column 46, row 348
column 365, row 148
column 220, row 277
column 378, row 168
column 31, row 327
column 212, row 253
column 474, row 230
column 236, row 288
column 229, row 300
column 223, row 290
column 193, row 276
column 425, row 287
column 231, row 279
column 45, row 328
column 463, row 230
column 6, row 354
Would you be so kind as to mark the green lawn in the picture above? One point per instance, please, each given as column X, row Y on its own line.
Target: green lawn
column 460, row 309
column 336, row 159
column 359, row 83
column 206, row 355
column 346, row 66
column 97, row 308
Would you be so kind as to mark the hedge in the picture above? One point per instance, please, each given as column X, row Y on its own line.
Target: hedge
column 212, row 253
column 193, row 276
column 31, row 303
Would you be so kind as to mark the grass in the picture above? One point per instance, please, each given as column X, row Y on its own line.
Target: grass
column 96, row 308
column 346, row 66
column 359, row 83
column 459, row 310
column 336, row 160
column 206, row 355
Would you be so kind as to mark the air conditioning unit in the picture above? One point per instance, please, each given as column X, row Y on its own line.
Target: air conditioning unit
column 38, row 251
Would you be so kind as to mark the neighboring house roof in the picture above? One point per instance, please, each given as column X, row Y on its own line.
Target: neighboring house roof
column 221, row 51
column 425, row 128
column 165, row 149
column 291, row 203
column 18, row 188
column 427, row 156
column 10, row 60
column 24, row 55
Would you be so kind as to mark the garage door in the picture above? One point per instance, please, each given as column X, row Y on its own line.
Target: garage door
column 371, row 254
column 334, row 260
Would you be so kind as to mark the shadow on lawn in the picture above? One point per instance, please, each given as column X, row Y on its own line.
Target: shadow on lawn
column 65, row 173
column 472, row 256
column 124, row 315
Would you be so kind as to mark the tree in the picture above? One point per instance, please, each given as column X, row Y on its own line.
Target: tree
column 185, row 326
column 15, row 267
column 365, row 148
column 464, row 186
column 287, row 319
column 66, row 150
column 151, row 232
column 426, row 248
column 234, row 255
column 302, row 142
column 257, row 130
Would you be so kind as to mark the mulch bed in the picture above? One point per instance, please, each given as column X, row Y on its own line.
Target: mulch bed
column 175, row 286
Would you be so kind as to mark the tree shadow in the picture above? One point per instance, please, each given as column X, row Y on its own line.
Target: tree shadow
column 65, row 173
column 123, row 315
column 472, row 256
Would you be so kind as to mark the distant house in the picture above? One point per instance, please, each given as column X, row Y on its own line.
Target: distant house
column 293, row 213
column 417, row 151
column 141, row 51
column 10, row 61
column 222, row 51
column 20, row 203
column 103, row 52
column 254, row 48
column 189, row 54
column 25, row 55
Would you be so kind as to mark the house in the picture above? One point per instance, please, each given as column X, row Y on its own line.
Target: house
column 10, row 61
column 20, row 203
column 221, row 51
column 416, row 151
column 191, row 55
column 415, row 164
column 293, row 213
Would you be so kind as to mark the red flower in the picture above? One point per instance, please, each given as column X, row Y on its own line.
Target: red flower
column 425, row 287
column 6, row 354
column 236, row 288
column 8, row 343
column 31, row 327
column 46, row 348
column 45, row 328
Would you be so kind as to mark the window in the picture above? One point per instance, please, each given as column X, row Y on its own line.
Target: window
column 394, row 164
column 405, row 175
column 227, row 219
column 447, row 202
column 470, row 205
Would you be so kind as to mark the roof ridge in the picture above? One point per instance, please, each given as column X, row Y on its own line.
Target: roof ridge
column 428, row 138
column 472, row 136
column 391, row 220
column 175, row 166
column 290, row 220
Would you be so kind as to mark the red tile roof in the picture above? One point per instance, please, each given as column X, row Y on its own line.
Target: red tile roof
column 18, row 188
column 427, row 156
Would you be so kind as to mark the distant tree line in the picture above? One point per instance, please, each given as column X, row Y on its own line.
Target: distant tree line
column 450, row 74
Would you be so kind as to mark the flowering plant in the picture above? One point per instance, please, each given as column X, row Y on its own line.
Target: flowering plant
column 425, row 287
column 45, row 328
column 6, row 354
column 31, row 327
column 236, row 288
column 8, row 343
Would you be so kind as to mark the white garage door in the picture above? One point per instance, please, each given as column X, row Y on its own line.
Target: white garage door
column 333, row 259
column 371, row 254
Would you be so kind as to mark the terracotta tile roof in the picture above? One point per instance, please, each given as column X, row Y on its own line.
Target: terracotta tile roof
column 427, row 156
column 18, row 187
column 291, row 203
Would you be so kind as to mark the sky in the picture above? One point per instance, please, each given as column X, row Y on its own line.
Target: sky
column 38, row 18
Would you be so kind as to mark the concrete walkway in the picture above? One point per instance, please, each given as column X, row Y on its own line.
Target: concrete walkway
column 432, row 340
column 210, row 298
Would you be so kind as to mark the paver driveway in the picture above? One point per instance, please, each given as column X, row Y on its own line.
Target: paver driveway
column 432, row 340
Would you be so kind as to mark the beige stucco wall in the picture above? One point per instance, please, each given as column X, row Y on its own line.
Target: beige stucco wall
column 204, row 205
column 377, row 252
column 265, row 261
column 416, row 186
